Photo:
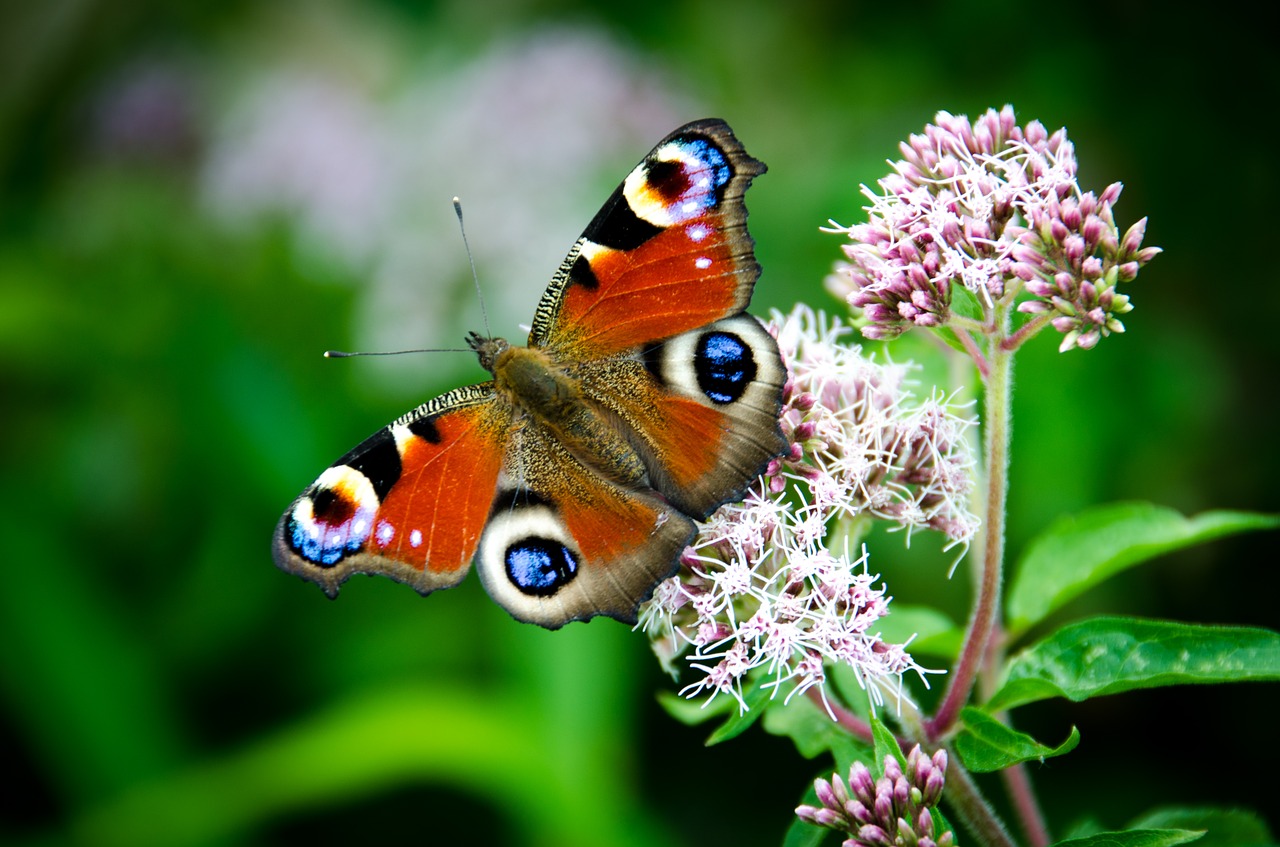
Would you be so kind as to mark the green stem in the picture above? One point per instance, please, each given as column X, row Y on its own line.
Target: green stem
column 996, row 430
column 971, row 808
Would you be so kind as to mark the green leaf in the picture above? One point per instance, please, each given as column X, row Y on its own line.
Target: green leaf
column 988, row 745
column 930, row 631
column 1134, row 838
column 1225, row 827
column 1108, row 655
column 1078, row 552
column 692, row 712
column 885, row 745
column 814, row 733
column 740, row 720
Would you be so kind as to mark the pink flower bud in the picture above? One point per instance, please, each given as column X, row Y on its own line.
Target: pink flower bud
column 1133, row 237
column 881, row 333
column 1071, row 213
column 1036, row 134
column 1023, row 271
column 1093, row 229
column 861, row 785
column 839, row 789
column 933, row 786
column 1107, row 243
column 1074, row 248
column 1040, row 288
column 828, row 818
column 879, row 312
column 1088, row 206
column 901, row 792
column 871, row 834
column 883, row 805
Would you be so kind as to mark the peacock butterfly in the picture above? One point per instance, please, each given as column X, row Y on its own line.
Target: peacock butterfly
column 645, row 399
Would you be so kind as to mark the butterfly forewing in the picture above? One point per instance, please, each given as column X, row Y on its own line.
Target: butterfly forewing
column 410, row 502
column 668, row 252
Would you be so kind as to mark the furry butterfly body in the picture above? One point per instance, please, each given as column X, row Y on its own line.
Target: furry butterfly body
column 646, row 398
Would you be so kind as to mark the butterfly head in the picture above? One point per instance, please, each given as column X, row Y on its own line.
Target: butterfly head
column 488, row 349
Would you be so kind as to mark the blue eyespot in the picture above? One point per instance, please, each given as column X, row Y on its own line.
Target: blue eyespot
column 334, row 519
column 324, row 544
column 724, row 365
column 711, row 157
column 540, row 566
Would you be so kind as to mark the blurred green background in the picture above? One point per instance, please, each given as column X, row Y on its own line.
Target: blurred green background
column 197, row 199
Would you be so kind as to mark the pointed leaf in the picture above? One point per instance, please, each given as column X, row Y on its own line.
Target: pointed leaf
column 885, row 745
column 1225, row 827
column 1080, row 551
column 988, row 745
column 739, row 721
column 692, row 712
column 1107, row 655
column 815, row 733
column 1134, row 838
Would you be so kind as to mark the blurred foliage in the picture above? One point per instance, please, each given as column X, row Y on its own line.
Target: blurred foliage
column 163, row 400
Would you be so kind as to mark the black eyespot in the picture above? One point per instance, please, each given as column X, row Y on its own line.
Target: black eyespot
column 539, row 566
column 724, row 365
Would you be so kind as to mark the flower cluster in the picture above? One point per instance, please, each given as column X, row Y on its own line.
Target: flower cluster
column 892, row 810
column 761, row 587
column 1071, row 258
column 988, row 206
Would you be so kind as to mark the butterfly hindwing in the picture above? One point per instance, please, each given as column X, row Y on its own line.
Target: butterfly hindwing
column 410, row 502
column 703, row 407
column 563, row 543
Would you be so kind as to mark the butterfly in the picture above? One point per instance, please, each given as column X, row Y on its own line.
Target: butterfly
column 646, row 398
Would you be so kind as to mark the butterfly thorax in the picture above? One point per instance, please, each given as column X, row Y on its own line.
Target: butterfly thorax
column 532, row 381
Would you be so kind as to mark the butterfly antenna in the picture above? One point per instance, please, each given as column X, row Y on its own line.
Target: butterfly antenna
column 484, row 313
column 341, row 354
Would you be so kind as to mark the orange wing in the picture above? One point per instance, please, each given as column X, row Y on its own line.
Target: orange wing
column 410, row 502
column 667, row 253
